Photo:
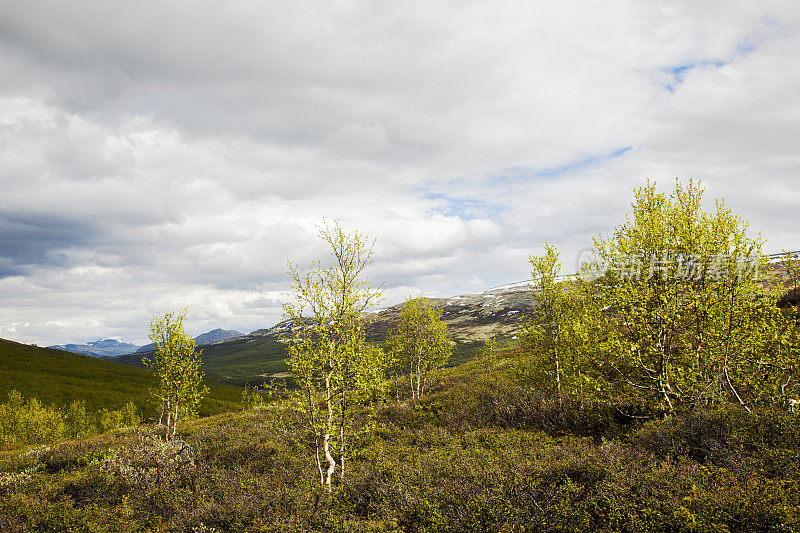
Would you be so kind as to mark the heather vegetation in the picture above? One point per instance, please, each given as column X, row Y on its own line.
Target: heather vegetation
column 478, row 453
column 654, row 392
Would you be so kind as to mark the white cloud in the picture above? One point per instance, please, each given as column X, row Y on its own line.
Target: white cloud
column 159, row 155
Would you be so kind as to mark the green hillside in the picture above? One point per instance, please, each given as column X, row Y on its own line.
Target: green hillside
column 59, row 377
column 243, row 360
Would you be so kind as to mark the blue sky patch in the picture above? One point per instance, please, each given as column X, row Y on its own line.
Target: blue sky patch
column 524, row 172
column 679, row 72
column 505, row 182
column 463, row 208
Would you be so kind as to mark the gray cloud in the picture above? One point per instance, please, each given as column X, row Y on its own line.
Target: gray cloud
column 38, row 240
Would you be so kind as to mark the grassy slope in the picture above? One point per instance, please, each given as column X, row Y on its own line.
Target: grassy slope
column 238, row 361
column 244, row 360
column 59, row 377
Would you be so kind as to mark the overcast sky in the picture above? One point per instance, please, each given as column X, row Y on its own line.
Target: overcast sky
column 155, row 155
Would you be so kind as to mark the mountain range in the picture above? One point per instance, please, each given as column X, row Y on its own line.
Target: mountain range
column 215, row 335
column 116, row 347
column 101, row 348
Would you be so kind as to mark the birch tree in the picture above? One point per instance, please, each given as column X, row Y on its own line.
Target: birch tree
column 562, row 333
column 687, row 319
column 420, row 343
column 332, row 364
column 547, row 331
column 176, row 364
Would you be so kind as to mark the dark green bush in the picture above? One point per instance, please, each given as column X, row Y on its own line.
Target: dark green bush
column 764, row 442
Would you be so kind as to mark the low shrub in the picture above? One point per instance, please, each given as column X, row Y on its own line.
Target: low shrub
column 765, row 441
column 24, row 422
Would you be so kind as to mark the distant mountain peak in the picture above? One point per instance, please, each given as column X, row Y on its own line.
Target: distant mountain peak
column 111, row 341
column 210, row 337
column 217, row 335
column 100, row 348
